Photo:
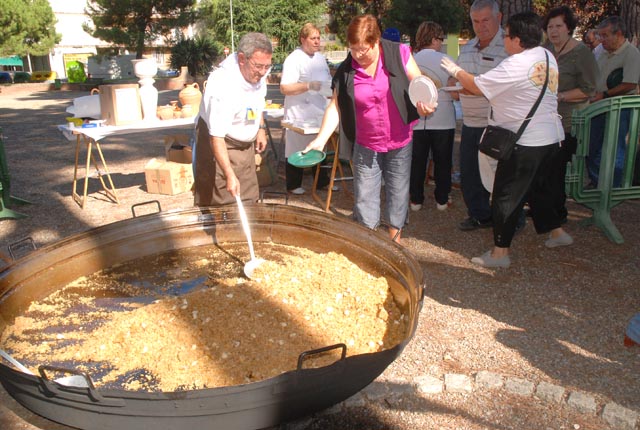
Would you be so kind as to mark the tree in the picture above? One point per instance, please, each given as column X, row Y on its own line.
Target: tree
column 511, row 7
column 28, row 27
column 198, row 54
column 407, row 15
column 630, row 12
column 280, row 20
column 588, row 12
column 132, row 24
column 342, row 11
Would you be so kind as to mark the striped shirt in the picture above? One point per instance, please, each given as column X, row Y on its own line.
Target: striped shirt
column 475, row 109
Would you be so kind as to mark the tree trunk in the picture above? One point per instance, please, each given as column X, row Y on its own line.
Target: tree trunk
column 511, row 7
column 630, row 13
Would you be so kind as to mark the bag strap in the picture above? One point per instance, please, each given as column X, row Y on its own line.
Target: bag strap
column 537, row 103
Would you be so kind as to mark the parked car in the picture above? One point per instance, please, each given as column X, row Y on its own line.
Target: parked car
column 6, row 78
column 168, row 73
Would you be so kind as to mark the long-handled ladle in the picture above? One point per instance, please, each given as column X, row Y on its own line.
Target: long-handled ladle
column 251, row 265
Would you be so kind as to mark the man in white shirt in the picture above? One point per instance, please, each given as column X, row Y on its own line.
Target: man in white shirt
column 230, row 127
column 479, row 55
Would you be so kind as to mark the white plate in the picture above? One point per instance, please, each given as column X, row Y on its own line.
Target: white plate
column 422, row 89
column 452, row 88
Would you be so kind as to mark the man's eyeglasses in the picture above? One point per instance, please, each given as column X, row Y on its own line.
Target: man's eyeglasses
column 441, row 39
column 360, row 51
column 260, row 67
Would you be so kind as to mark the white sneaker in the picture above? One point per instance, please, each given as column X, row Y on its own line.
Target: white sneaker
column 297, row 191
column 442, row 207
column 415, row 207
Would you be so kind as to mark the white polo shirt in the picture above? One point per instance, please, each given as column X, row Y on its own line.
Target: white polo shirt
column 475, row 109
column 231, row 105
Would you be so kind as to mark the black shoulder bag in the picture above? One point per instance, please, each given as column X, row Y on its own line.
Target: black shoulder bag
column 498, row 142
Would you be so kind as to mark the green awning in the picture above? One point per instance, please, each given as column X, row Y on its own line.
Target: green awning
column 14, row 60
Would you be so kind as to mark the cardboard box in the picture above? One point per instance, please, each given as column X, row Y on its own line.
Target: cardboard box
column 177, row 148
column 120, row 104
column 167, row 177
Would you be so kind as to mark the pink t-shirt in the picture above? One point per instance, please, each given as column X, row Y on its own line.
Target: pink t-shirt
column 379, row 125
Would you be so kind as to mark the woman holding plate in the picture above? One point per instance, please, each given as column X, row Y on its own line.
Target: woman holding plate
column 371, row 105
column 434, row 133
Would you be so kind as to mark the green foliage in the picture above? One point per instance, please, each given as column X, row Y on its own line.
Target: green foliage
column 342, row 11
column 280, row 20
column 133, row 24
column 407, row 15
column 28, row 27
column 75, row 72
column 198, row 54
column 588, row 12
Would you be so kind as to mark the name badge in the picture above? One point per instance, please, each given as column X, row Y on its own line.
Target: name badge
column 250, row 116
column 488, row 59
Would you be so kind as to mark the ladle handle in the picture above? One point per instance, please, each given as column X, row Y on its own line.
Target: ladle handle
column 15, row 362
column 245, row 226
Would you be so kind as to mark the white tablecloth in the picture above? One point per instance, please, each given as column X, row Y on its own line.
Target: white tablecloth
column 97, row 133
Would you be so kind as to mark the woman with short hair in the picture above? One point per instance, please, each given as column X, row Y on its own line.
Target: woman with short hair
column 371, row 105
column 512, row 88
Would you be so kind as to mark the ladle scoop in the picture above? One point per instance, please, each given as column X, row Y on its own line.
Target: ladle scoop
column 251, row 265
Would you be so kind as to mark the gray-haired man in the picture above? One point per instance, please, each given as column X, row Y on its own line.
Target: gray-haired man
column 231, row 127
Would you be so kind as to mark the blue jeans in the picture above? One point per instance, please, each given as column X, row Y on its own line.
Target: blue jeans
column 475, row 196
column 595, row 146
column 369, row 167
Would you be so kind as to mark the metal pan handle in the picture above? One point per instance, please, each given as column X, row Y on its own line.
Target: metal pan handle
column 61, row 388
column 133, row 208
column 303, row 356
column 21, row 243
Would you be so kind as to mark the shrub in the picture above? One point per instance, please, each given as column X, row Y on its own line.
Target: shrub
column 75, row 71
column 198, row 54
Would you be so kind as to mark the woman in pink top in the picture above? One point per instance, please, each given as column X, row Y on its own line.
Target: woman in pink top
column 371, row 105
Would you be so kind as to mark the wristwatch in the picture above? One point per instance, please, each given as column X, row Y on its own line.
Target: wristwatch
column 605, row 94
column 263, row 126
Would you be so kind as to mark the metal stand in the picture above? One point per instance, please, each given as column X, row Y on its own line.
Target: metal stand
column 110, row 190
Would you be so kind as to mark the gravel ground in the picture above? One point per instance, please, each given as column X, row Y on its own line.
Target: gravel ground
column 537, row 346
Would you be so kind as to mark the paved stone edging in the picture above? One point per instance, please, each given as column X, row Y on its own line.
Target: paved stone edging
column 616, row 416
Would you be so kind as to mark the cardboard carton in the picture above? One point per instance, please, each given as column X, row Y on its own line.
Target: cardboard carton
column 177, row 148
column 167, row 177
column 120, row 104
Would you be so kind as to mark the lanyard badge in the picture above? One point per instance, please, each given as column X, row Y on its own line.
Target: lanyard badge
column 250, row 116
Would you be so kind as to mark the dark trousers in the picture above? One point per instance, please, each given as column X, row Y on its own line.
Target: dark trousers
column 526, row 176
column 559, row 171
column 294, row 176
column 476, row 197
column 596, row 140
column 440, row 144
